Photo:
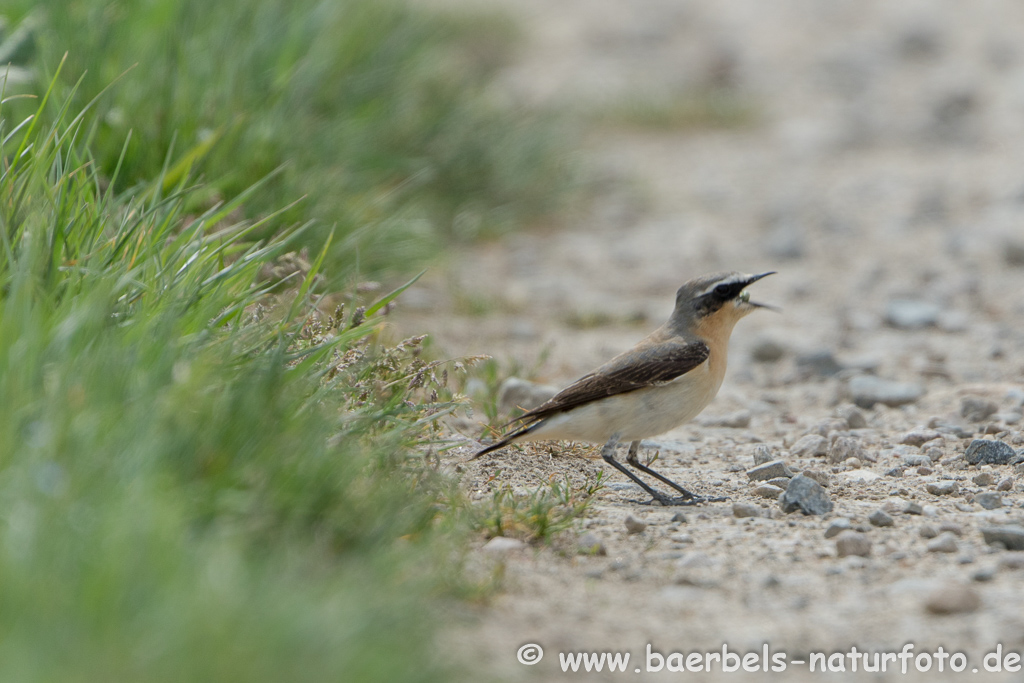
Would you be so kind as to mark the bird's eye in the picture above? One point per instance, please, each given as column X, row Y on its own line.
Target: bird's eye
column 722, row 290
column 744, row 296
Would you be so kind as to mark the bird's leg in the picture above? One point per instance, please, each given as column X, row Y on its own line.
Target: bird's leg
column 608, row 453
column 633, row 460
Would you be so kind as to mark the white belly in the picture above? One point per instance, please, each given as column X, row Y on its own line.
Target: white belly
column 635, row 415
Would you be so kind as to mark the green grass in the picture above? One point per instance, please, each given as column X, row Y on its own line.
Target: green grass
column 379, row 112
column 198, row 480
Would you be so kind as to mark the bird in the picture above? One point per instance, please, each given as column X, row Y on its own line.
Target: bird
column 665, row 380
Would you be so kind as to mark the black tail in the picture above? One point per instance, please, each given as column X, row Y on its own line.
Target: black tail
column 508, row 438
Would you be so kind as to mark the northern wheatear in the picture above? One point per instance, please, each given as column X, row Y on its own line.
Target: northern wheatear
column 662, row 382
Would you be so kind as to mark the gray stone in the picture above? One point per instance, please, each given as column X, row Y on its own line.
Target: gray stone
column 767, row 350
column 913, row 508
column 741, row 510
column 768, row 491
column 590, row 544
column 983, row 574
column 927, row 531
column 947, row 427
column 951, row 527
column 917, row 460
column 942, row 488
column 867, row 390
column 769, row 470
column 919, row 437
column 853, row 543
column 880, row 518
column 984, row 479
column 910, row 314
column 943, row 543
column 837, row 526
column 845, row 447
column 809, row 446
column 989, row 452
column 634, row 525
column 736, row 420
column 806, row 495
column 852, row 415
column 1005, row 485
column 679, row 517
column 1013, row 559
column 503, row 544
column 990, row 500
column 818, row 364
column 762, row 454
column 1010, row 535
column 516, row 394
column 781, row 482
column 1009, row 417
column 823, row 478
column 952, row 598
column 976, row 409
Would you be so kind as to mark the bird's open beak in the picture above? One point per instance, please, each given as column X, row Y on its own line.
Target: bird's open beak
column 752, row 280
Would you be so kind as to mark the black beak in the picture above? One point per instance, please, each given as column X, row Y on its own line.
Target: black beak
column 755, row 278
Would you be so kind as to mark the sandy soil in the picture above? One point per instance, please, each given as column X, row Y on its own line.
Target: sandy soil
column 884, row 165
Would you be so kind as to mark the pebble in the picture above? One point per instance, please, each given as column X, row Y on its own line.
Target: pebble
column 984, row 479
column 818, row 364
column 781, row 482
column 919, row 437
column 989, row 452
column 976, row 409
column 736, row 420
column 951, row 527
column 681, row 538
column 1010, row 535
column 860, row 476
column 934, row 453
column 946, row 427
column 679, row 517
column 837, row 526
column 831, row 425
column 516, row 393
column 634, row 525
column 853, row 543
column 990, row 500
column 845, row 447
column 867, row 390
column 880, row 518
column 503, row 544
column 942, row 488
column 762, row 454
column 944, row 543
column 809, row 446
column 768, row 491
column 852, row 415
column 917, row 460
column 1010, row 417
column 740, row 510
column 769, row 470
column 927, row 531
column 767, row 350
column 1005, row 485
column 913, row 508
column 911, row 314
column 952, row 598
column 590, row 544
column 853, row 463
column 1012, row 560
column 983, row 574
column 822, row 478
column 805, row 494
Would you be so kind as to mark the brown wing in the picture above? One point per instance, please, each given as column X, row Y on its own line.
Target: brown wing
column 632, row 370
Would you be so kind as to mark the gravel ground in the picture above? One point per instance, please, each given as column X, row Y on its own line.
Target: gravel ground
column 882, row 178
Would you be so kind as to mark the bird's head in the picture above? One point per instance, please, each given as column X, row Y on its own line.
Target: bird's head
column 716, row 302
